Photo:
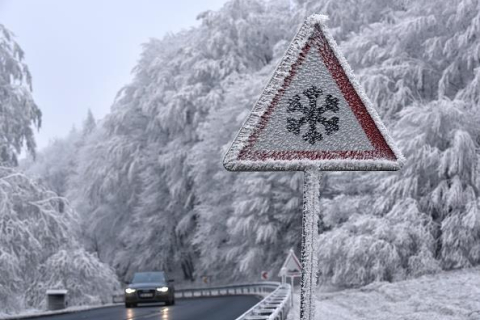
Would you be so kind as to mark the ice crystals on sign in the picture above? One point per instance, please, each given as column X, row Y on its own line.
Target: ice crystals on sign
column 312, row 114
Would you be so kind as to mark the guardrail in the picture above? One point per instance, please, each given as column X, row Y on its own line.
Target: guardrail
column 260, row 288
column 275, row 305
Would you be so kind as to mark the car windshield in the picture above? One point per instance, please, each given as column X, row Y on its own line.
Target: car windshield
column 149, row 277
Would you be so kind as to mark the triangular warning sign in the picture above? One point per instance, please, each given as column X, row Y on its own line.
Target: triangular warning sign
column 313, row 113
column 291, row 267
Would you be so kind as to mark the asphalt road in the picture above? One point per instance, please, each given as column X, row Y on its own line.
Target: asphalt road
column 217, row 308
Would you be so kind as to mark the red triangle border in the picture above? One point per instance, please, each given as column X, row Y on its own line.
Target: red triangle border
column 382, row 150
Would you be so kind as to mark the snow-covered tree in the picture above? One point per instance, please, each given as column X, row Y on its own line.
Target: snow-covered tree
column 418, row 63
column 18, row 112
column 104, row 190
column 89, row 124
column 245, row 221
column 88, row 280
column 39, row 250
column 55, row 164
column 39, row 247
column 138, row 171
column 369, row 247
column 442, row 175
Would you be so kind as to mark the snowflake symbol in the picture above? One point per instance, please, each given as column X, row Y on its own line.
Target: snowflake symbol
column 312, row 115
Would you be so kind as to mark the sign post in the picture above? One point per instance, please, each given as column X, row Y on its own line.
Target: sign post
column 311, row 211
column 312, row 116
column 283, row 275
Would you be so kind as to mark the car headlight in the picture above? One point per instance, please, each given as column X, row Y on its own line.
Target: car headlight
column 129, row 291
column 162, row 289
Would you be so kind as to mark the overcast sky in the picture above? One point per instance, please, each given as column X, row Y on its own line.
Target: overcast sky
column 81, row 52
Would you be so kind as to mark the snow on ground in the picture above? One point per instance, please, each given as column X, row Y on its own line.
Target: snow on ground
column 445, row 296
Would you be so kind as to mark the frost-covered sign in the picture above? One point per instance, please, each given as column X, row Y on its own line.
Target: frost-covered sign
column 312, row 116
column 313, row 113
column 291, row 267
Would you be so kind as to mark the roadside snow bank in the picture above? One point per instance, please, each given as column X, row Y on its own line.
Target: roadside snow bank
column 451, row 295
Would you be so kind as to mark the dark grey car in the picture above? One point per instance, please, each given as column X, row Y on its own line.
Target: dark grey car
column 147, row 287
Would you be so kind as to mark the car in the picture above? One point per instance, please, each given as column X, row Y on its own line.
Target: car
column 148, row 287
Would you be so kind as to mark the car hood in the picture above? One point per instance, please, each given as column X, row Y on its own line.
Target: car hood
column 151, row 285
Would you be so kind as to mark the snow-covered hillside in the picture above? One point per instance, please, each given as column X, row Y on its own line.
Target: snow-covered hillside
column 453, row 295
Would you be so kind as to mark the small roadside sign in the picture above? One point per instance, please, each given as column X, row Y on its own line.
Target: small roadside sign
column 264, row 275
column 291, row 267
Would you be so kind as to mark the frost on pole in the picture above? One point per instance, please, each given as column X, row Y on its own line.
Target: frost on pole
column 313, row 113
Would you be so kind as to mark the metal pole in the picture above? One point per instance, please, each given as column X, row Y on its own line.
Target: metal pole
column 311, row 207
column 292, row 279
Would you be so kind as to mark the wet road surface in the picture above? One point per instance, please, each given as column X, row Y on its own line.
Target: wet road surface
column 217, row 308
